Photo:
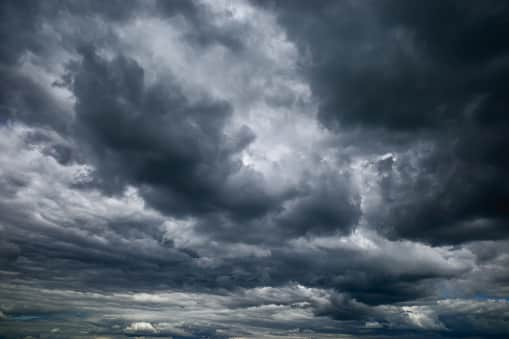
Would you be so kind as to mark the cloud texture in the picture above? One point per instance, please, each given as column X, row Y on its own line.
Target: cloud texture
column 254, row 169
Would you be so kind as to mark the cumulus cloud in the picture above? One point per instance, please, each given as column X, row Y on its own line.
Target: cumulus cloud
column 253, row 169
column 140, row 327
column 412, row 79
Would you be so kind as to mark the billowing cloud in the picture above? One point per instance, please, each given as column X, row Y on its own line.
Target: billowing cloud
column 431, row 91
column 141, row 327
column 253, row 169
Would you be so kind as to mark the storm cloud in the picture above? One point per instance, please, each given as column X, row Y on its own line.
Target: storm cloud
column 254, row 169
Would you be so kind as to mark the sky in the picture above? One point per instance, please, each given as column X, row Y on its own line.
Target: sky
column 269, row 169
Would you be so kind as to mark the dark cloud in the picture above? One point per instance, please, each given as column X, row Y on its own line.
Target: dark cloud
column 23, row 99
column 399, row 65
column 154, row 136
column 327, row 206
column 445, row 202
column 431, row 73
column 20, row 17
column 261, row 169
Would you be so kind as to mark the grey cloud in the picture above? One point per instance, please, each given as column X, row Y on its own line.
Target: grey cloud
column 440, row 202
column 386, row 64
column 261, row 169
column 153, row 136
column 23, row 99
column 402, row 69
column 327, row 205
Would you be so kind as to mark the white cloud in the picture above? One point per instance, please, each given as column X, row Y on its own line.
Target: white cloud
column 140, row 327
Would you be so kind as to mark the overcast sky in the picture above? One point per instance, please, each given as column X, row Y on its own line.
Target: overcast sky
column 254, row 169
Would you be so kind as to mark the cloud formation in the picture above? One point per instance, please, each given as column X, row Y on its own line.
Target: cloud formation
column 253, row 169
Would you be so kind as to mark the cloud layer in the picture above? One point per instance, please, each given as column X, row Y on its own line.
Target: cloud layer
column 253, row 169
